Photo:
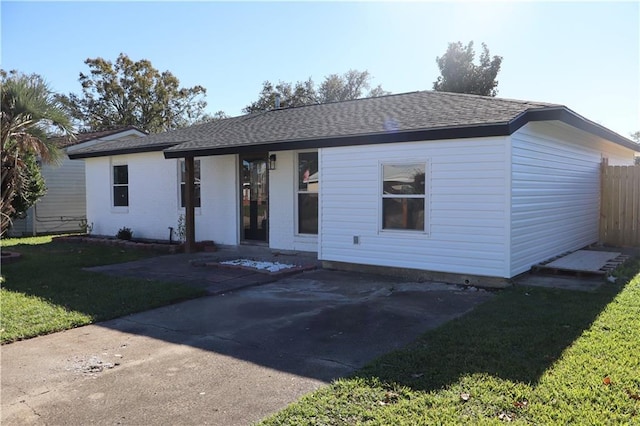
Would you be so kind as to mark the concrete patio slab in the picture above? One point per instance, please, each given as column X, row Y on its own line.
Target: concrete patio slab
column 561, row 282
column 229, row 359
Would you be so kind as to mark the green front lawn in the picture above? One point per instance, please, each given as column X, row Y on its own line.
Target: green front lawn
column 529, row 356
column 47, row 290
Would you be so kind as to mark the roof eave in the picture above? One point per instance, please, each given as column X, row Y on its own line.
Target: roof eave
column 458, row 132
column 573, row 119
column 121, row 151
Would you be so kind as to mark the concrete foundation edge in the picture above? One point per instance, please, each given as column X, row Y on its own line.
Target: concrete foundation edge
column 421, row 275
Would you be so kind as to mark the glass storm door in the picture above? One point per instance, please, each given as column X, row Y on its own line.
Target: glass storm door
column 255, row 197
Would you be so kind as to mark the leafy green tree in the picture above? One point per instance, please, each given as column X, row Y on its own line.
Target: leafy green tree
column 29, row 112
column 348, row 86
column 636, row 137
column 135, row 93
column 302, row 93
column 335, row 87
column 33, row 187
column 459, row 74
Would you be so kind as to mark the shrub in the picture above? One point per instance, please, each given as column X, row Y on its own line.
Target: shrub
column 85, row 227
column 181, row 231
column 124, row 233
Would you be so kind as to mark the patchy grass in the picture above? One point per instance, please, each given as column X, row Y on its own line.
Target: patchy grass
column 47, row 290
column 529, row 356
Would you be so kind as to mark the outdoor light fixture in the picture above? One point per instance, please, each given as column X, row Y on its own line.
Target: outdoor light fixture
column 272, row 162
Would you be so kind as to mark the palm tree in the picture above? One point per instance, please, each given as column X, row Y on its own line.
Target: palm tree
column 29, row 111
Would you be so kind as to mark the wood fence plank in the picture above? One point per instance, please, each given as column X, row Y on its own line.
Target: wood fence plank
column 620, row 205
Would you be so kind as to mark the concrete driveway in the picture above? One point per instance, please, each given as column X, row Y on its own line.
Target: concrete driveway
column 229, row 359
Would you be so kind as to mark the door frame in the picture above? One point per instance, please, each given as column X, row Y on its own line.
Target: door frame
column 252, row 156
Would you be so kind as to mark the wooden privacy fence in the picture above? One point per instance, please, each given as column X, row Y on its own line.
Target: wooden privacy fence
column 620, row 205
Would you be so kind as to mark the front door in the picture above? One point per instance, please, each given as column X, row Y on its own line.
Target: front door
column 255, row 196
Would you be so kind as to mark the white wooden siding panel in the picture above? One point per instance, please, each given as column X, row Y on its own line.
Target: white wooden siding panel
column 154, row 197
column 218, row 218
column 98, row 187
column 555, row 191
column 282, row 207
column 466, row 195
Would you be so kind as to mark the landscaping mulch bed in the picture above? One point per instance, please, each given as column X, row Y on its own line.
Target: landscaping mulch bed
column 163, row 247
column 208, row 246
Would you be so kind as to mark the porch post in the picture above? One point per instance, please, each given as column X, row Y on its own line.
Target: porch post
column 189, row 208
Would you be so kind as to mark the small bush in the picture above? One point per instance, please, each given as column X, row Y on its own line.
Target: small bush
column 85, row 227
column 124, row 233
column 181, row 231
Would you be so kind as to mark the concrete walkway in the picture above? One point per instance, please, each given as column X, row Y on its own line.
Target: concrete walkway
column 191, row 269
column 229, row 359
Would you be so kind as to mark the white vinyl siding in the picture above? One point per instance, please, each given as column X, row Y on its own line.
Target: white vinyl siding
column 555, row 191
column 153, row 205
column 63, row 206
column 466, row 207
column 283, row 195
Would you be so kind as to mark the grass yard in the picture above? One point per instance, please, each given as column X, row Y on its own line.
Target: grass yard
column 47, row 290
column 529, row 356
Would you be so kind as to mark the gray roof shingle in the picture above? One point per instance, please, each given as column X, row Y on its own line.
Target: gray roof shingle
column 444, row 115
column 67, row 141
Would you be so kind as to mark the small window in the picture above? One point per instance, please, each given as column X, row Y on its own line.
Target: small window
column 308, row 183
column 121, row 186
column 196, row 182
column 403, row 196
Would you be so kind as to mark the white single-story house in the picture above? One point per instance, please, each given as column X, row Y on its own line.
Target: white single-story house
column 63, row 207
column 428, row 181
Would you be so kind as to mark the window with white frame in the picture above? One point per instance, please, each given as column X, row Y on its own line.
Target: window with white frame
column 121, row 185
column 196, row 183
column 307, row 188
column 403, row 196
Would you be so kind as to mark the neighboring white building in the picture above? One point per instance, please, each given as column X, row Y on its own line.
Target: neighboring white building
column 429, row 181
column 64, row 205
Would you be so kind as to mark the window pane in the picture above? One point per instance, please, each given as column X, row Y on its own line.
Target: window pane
column 403, row 179
column 403, row 213
column 196, row 182
column 121, row 175
column 196, row 189
column 121, row 196
column 196, row 171
column 308, row 171
column 307, row 213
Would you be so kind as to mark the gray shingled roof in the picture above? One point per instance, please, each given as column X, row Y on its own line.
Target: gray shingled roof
column 387, row 118
column 66, row 141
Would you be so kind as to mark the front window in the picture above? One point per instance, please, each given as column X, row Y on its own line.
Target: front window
column 121, row 186
column 196, row 183
column 308, row 184
column 403, row 196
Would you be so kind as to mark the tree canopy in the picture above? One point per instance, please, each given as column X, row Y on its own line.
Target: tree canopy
column 30, row 111
column 353, row 84
column 460, row 74
column 636, row 137
column 135, row 93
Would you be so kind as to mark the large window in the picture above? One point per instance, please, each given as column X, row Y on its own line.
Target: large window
column 403, row 196
column 121, row 186
column 308, row 181
column 196, row 182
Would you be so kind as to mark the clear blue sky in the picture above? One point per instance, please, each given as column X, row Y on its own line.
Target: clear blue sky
column 585, row 55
